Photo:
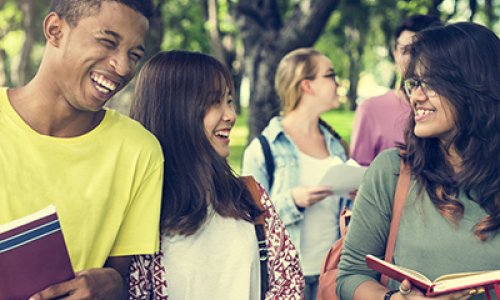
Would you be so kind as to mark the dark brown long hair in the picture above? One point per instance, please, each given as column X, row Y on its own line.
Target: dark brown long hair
column 174, row 91
column 461, row 62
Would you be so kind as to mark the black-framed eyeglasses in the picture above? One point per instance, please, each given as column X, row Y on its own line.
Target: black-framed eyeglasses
column 411, row 84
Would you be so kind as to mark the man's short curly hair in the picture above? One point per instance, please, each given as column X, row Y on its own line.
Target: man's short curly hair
column 73, row 10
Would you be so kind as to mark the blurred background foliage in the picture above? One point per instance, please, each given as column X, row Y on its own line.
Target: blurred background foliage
column 250, row 36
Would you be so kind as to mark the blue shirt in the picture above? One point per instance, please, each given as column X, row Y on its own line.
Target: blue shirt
column 286, row 172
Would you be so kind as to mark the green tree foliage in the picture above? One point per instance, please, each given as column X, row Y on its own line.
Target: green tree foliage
column 184, row 26
column 11, row 36
column 357, row 36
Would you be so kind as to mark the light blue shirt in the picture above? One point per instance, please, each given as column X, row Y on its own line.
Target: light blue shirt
column 286, row 172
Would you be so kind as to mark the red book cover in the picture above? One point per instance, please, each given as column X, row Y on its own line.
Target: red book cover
column 442, row 285
column 33, row 255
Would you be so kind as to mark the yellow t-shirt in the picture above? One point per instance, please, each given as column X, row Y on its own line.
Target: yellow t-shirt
column 106, row 184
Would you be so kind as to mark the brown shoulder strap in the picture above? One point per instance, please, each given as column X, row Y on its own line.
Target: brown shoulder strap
column 260, row 234
column 397, row 210
column 345, row 217
column 254, row 191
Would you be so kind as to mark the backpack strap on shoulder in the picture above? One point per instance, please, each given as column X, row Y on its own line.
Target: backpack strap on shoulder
column 268, row 158
column 260, row 233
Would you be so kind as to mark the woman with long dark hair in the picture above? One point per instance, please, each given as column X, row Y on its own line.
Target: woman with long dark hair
column 209, row 247
column 452, row 214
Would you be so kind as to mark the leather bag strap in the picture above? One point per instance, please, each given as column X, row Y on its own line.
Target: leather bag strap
column 397, row 210
column 251, row 185
column 260, row 233
column 345, row 217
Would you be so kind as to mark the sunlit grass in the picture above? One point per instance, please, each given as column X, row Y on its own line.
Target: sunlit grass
column 341, row 121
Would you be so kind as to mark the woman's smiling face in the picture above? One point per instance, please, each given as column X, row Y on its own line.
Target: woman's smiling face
column 434, row 115
column 218, row 122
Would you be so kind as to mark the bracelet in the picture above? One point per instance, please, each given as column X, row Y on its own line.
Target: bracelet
column 389, row 294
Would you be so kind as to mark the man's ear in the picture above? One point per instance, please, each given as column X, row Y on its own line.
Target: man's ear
column 305, row 86
column 53, row 28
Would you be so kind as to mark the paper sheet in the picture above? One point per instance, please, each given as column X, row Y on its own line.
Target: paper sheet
column 343, row 177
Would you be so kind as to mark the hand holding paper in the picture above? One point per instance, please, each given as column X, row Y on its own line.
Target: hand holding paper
column 307, row 196
column 343, row 177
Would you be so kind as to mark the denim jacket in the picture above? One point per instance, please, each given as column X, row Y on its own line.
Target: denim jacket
column 286, row 173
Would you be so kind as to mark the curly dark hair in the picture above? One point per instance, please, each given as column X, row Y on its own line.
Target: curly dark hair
column 461, row 62
column 73, row 10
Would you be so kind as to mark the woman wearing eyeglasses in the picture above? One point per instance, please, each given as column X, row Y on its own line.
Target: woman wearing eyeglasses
column 452, row 213
column 302, row 146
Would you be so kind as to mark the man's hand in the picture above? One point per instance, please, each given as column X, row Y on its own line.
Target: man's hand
column 97, row 284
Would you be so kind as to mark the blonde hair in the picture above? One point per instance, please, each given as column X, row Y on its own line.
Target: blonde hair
column 294, row 67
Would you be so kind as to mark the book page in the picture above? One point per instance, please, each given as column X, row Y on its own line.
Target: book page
column 26, row 219
column 465, row 280
column 397, row 272
column 413, row 274
column 343, row 177
column 457, row 275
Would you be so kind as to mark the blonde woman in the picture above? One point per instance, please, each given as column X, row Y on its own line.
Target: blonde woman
column 302, row 145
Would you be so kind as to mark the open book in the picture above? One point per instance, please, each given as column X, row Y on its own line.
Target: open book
column 33, row 255
column 344, row 177
column 442, row 285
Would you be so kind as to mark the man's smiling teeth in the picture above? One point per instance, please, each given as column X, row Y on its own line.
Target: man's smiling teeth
column 423, row 112
column 103, row 85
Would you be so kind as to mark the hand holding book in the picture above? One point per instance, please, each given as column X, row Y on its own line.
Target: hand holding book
column 408, row 292
column 442, row 285
column 33, row 255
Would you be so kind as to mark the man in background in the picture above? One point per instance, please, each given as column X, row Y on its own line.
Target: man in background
column 379, row 122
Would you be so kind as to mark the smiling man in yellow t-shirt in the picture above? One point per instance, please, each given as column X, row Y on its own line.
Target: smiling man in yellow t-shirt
column 101, row 170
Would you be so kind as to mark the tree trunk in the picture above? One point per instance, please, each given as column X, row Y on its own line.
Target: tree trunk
column 4, row 59
column 156, row 31
column 224, row 47
column 264, row 102
column 29, row 18
column 267, row 39
column 356, row 27
column 354, row 71
column 473, row 9
column 491, row 18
